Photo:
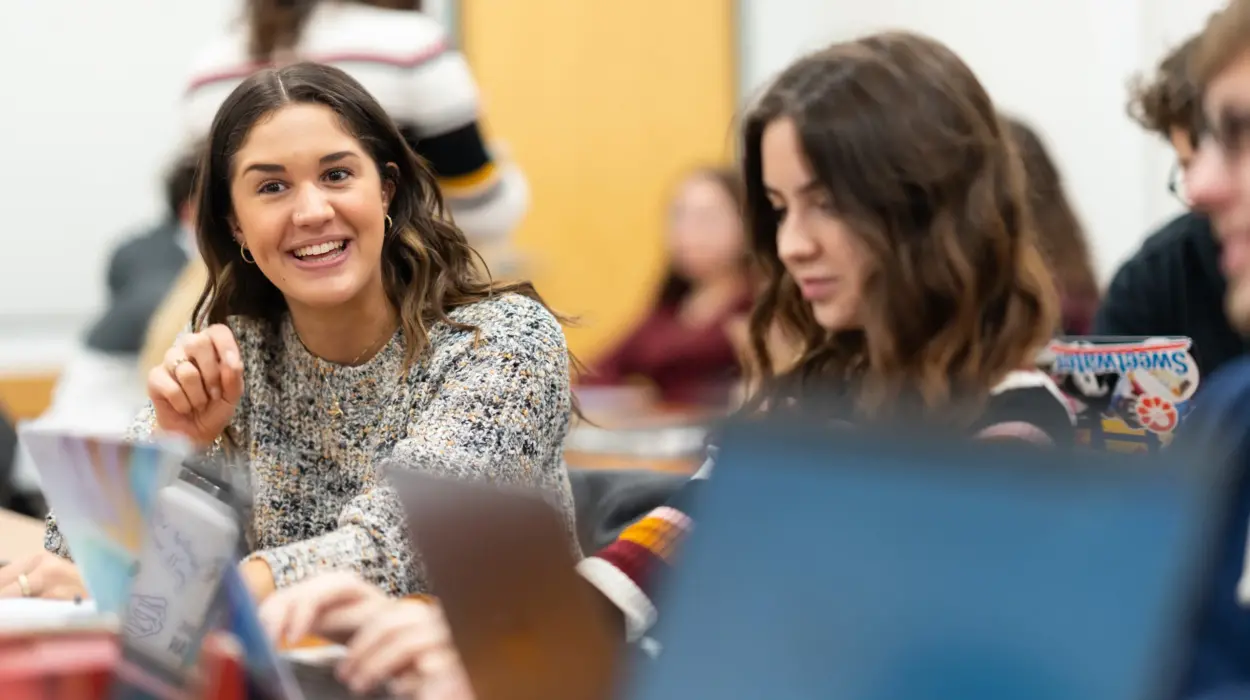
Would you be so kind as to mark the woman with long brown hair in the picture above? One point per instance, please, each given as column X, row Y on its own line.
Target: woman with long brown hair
column 1060, row 233
column 344, row 323
column 887, row 209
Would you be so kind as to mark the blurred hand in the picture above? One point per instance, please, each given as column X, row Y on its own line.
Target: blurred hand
column 47, row 575
column 197, row 387
column 403, row 644
column 332, row 606
column 408, row 647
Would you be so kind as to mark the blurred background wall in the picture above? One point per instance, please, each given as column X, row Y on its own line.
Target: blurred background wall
column 603, row 104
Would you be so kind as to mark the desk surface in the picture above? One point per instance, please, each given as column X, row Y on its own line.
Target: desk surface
column 20, row 536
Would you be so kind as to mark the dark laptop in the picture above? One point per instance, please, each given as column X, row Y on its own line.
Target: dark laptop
column 865, row 567
column 501, row 563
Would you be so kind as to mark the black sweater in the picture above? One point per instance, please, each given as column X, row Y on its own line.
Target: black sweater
column 1173, row 286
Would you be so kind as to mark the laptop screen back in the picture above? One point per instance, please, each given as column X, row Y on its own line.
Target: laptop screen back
column 865, row 572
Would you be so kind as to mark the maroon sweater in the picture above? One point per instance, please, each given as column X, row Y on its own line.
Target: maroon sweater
column 689, row 366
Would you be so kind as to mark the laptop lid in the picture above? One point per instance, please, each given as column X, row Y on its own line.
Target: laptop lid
column 502, row 564
column 862, row 567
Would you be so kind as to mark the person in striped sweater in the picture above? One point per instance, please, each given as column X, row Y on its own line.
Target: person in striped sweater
column 886, row 208
column 405, row 59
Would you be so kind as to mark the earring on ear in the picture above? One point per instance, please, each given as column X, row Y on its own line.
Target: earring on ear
column 389, row 224
column 243, row 254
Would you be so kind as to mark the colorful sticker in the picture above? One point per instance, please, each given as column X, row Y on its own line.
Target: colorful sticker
column 1131, row 393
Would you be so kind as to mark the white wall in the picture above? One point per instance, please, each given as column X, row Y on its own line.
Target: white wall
column 87, row 126
column 1063, row 65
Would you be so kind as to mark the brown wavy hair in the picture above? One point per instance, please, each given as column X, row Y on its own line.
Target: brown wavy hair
column 1169, row 99
column 428, row 267
column 905, row 141
column 277, row 24
column 1223, row 40
column 1061, row 236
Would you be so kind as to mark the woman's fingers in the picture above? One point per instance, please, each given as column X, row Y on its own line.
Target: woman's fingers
column 10, row 572
column 163, row 387
column 201, row 353
column 296, row 612
column 394, row 640
column 183, row 372
column 46, row 576
column 191, row 382
column 386, row 661
column 331, row 595
column 231, row 363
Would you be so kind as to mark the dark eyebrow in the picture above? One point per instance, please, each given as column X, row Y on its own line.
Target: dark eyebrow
column 812, row 187
column 325, row 160
column 336, row 157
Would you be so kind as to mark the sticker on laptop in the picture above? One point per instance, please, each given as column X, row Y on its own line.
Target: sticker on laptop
column 1130, row 394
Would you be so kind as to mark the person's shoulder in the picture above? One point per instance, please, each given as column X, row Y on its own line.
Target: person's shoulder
column 1027, row 404
column 1229, row 384
column 512, row 319
column 225, row 53
column 1176, row 237
column 156, row 243
column 383, row 31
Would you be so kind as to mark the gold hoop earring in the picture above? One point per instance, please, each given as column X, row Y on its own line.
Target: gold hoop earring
column 390, row 225
column 243, row 254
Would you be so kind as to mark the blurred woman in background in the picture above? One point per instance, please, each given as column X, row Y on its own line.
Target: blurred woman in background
column 1060, row 233
column 682, row 347
column 404, row 58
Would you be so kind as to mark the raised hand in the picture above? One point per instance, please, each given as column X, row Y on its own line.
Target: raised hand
column 195, row 390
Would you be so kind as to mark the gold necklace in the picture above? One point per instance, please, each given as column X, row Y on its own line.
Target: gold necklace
column 335, row 410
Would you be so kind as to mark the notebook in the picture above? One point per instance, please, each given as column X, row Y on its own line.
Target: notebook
column 119, row 503
column 101, row 489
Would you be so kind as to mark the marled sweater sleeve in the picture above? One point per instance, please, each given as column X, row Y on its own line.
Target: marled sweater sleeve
column 501, row 413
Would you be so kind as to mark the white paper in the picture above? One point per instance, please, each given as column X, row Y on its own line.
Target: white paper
column 21, row 613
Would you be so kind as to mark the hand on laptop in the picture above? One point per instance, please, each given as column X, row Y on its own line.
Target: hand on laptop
column 44, row 575
column 197, row 387
column 331, row 606
column 402, row 643
column 407, row 646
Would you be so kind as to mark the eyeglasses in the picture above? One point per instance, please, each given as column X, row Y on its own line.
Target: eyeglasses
column 1176, row 184
column 1229, row 131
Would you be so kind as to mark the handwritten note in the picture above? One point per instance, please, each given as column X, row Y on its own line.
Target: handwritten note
column 191, row 540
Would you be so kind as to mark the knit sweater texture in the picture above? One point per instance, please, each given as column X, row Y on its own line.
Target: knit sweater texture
column 490, row 405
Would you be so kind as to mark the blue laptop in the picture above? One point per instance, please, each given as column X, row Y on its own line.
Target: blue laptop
column 864, row 567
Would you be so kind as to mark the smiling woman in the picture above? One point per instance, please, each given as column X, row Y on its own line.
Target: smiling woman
column 344, row 325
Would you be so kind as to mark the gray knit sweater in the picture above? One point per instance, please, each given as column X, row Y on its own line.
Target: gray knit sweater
column 494, row 407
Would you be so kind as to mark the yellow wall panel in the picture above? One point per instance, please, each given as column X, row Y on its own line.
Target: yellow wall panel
column 604, row 104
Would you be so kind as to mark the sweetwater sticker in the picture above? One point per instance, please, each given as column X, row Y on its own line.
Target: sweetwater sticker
column 1130, row 394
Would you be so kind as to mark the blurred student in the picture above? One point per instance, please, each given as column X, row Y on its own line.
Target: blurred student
column 1219, row 184
column 871, row 231
column 405, row 59
column 682, row 347
column 344, row 323
column 1060, row 233
column 101, row 388
column 1173, row 284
